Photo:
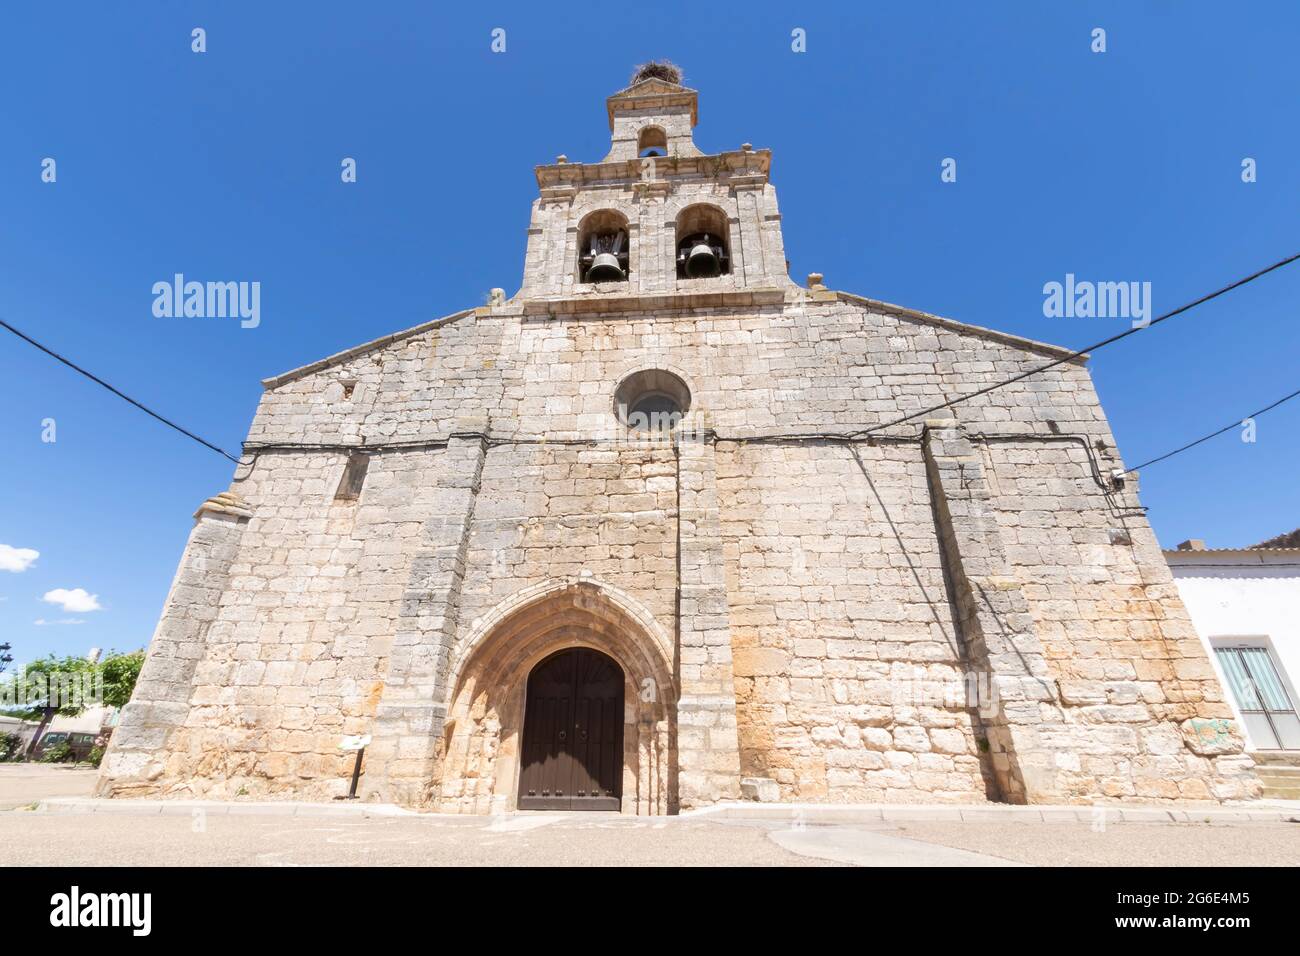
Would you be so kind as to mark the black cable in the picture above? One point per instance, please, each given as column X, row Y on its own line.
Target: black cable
column 1236, row 424
column 99, row 381
column 866, row 431
column 1091, row 348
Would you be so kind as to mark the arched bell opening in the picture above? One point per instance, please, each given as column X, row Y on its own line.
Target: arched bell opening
column 703, row 242
column 652, row 141
column 604, row 251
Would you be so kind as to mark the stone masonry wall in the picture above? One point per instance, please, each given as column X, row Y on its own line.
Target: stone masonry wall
column 549, row 513
column 296, row 654
column 1147, row 714
column 142, row 741
column 821, row 598
column 844, row 637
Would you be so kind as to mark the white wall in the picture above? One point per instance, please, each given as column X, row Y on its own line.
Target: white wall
column 1236, row 594
column 12, row 725
column 89, row 721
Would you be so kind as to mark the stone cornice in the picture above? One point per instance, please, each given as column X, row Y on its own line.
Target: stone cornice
column 654, row 302
column 1055, row 351
column 285, row 377
column 748, row 167
column 654, row 94
column 227, row 504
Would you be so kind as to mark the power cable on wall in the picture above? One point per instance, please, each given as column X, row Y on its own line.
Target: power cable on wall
column 950, row 403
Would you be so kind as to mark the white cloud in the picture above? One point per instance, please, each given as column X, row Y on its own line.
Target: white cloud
column 41, row 622
column 16, row 560
column 76, row 601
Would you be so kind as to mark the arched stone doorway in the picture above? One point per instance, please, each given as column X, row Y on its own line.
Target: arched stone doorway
column 572, row 752
column 483, row 737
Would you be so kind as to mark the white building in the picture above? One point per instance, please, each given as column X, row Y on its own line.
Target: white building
column 1245, row 604
column 16, row 725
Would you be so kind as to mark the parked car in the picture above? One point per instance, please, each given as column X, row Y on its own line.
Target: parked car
column 80, row 743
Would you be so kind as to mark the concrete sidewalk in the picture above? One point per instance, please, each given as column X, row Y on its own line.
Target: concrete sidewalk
column 794, row 814
column 855, row 814
column 266, row 808
column 55, row 788
column 22, row 784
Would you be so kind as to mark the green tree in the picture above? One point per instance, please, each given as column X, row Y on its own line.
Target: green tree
column 120, row 672
column 11, row 747
column 5, row 657
column 54, row 686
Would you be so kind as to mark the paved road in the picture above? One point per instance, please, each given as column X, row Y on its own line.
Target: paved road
column 250, row 835
column 77, row 839
column 1125, row 844
column 547, row 839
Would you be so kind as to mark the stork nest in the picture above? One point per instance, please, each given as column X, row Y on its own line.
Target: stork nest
column 658, row 70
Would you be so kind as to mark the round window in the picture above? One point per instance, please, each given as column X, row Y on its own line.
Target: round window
column 651, row 400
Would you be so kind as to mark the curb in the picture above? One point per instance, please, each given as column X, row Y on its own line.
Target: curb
column 175, row 808
column 846, row 814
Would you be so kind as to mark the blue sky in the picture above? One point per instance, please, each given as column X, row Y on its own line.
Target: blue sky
column 1122, row 166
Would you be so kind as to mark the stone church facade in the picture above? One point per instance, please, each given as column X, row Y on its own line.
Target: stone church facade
column 665, row 453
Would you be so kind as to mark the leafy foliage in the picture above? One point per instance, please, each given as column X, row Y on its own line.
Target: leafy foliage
column 54, row 686
column 11, row 747
column 120, row 672
column 59, row 753
column 64, row 687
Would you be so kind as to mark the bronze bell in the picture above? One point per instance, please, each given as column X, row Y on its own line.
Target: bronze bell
column 605, row 268
column 702, row 262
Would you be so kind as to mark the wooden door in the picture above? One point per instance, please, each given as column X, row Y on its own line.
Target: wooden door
column 572, row 756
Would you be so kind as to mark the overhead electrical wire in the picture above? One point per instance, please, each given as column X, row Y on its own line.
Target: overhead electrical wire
column 1083, row 351
column 1069, row 357
column 99, row 381
column 1214, row 434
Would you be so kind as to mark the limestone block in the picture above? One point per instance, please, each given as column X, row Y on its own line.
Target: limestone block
column 760, row 789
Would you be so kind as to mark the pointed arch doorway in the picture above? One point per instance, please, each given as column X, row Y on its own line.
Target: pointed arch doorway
column 572, row 753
